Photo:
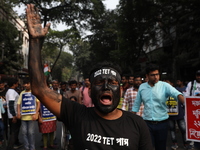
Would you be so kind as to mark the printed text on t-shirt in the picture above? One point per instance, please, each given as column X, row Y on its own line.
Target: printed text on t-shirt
column 107, row 140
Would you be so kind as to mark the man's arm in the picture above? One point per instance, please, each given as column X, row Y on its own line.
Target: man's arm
column 35, row 116
column 51, row 99
column 181, row 98
column 18, row 111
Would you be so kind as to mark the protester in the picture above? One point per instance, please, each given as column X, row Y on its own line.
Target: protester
column 131, row 94
column 2, row 111
column 3, row 91
column 85, row 91
column 177, row 116
column 55, row 87
column 14, row 123
column 193, row 89
column 153, row 94
column 73, row 91
column 47, row 127
column 111, row 128
column 28, row 113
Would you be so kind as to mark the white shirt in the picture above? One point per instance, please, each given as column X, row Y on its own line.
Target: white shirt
column 12, row 95
column 195, row 90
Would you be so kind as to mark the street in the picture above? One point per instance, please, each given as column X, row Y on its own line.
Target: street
column 38, row 139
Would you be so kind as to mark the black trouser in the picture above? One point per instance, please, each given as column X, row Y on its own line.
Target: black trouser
column 14, row 132
column 5, row 123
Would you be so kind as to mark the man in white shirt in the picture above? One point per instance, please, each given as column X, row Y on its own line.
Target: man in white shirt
column 12, row 98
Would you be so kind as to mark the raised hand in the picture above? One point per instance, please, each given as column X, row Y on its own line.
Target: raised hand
column 34, row 23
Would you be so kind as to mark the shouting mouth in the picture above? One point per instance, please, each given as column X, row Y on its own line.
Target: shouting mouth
column 106, row 99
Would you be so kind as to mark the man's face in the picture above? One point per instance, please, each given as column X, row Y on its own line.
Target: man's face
column 179, row 83
column 55, row 84
column 153, row 77
column 137, row 82
column 73, row 87
column 198, row 78
column 63, row 87
column 105, row 93
column 124, row 80
column 27, row 86
column 131, row 80
column 2, row 85
column 87, row 82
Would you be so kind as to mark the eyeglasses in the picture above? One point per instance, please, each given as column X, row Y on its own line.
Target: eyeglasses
column 157, row 74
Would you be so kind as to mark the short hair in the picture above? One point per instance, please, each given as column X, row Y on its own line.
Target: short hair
column 137, row 76
column 12, row 81
column 131, row 75
column 86, row 77
column 73, row 82
column 54, row 81
column 125, row 75
column 151, row 67
column 1, row 82
column 26, row 81
column 180, row 79
column 63, row 83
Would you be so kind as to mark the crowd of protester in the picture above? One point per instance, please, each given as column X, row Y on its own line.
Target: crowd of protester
column 14, row 95
column 11, row 96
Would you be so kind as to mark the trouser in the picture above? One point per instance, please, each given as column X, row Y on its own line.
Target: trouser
column 14, row 132
column 197, row 145
column 5, row 123
column 158, row 131
column 28, row 134
column 181, row 126
column 1, row 130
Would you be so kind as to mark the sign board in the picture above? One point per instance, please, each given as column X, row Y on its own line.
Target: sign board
column 192, row 116
column 28, row 105
column 46, row 114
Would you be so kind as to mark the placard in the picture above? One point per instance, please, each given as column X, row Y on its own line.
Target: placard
column 46, row 114
column 192, row 116
column 28, row 105
column 172, row 106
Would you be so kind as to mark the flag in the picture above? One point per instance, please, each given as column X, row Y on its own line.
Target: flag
column 46, row 70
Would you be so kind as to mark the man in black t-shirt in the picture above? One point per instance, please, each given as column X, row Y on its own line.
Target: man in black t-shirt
column 103, row 127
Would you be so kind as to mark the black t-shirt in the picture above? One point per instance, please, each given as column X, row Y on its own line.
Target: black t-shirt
column 91, row 132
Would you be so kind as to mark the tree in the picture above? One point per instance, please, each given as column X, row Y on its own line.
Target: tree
column 136, row 26
column 69, row 12
column 10, row 42
column 54, row 46
column 81, row 55
column 179, row 24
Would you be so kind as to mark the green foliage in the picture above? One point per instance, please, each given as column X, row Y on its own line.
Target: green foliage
column 54, row 52
column 10, row 45
column 81, row 55
column 69, row 12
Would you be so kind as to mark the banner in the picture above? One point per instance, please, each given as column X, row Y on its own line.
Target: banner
column 172, row 106
column 28, row 105
column 46, row 114
column 192, row 116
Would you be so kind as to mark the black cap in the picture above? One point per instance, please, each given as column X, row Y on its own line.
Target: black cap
column 198, row 72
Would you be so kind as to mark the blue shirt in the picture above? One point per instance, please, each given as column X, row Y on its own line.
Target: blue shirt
column 154, row 100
